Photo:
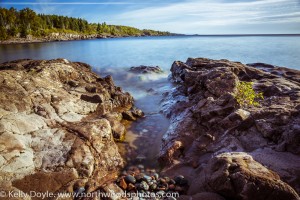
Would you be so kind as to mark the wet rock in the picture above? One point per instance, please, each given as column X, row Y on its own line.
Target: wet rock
column 130, row 179
column 142, row 69
column 128, row 115
column 147, row 178
column 137, row 113
column 153, row 186
column 142, row 186
column 139, row 177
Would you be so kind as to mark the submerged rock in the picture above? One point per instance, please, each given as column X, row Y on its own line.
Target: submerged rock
column 57, row 122
column 142, row 69
column 206, row 121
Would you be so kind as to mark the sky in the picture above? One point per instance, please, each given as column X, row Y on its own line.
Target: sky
column 180, row 16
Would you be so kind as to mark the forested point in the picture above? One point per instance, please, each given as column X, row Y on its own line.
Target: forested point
column 26, row 22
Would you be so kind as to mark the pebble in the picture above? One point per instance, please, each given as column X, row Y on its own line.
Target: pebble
column 130, row 179
column 79, row 190
column 153, row 186
column 123, row 184
column 171, row 187
column 141, row 167
column 167, row 179
column 172, row 181
column 143, row 186
column 130, row 187
column 145, row 180
column 156, row 176
column 139, row 177
column 180, row 180
column 161, row 180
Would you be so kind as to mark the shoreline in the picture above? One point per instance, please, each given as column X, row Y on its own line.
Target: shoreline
column 65, row 39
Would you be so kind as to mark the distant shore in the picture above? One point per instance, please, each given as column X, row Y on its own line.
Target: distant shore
column 67, row 37
column 71, row 37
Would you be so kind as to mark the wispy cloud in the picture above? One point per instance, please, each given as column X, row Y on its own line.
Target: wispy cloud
column 202, row 15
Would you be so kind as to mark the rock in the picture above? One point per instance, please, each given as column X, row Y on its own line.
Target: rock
column 79, row 191
column 91, row 89
column 123, row 184
column 53, row 136
column 206, row 120
column 238, row 176
column 118, row 130
column 139, row 177
column 142, row 186
column 146, row 69
column 153, row 186
column 73, row 83
column 113, row 191
column 137, row 113
column 130, row 187
column 147, row 178
column 130, row 179
column 91, row 99
column 141, row 167
column 128, row 116
column 202, row 195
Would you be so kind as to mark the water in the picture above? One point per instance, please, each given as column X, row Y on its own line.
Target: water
column 162, row 51
column 115, row 56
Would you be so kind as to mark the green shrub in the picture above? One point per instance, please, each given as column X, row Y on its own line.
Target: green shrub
column 246, row 96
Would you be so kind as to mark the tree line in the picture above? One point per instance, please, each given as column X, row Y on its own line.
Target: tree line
column 14, row 23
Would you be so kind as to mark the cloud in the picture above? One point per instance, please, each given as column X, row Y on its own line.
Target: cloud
column 206, row 14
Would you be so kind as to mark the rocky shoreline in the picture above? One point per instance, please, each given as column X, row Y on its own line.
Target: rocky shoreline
column 228, row 150
column 54, row 37
column 59, row 124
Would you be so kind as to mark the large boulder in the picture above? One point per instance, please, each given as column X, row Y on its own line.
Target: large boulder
column 238, row 176
column 56, row 126
column 206, row 120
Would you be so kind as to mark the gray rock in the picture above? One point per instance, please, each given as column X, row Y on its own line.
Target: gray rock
column 130, row 179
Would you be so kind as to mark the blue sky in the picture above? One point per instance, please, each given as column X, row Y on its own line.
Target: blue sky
column 180, row 16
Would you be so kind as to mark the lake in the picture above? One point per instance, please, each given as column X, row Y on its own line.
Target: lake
column 162, row 51
column 115, row 56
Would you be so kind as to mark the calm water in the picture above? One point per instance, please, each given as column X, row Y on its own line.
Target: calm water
column 115, row 56
column 162, row 51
